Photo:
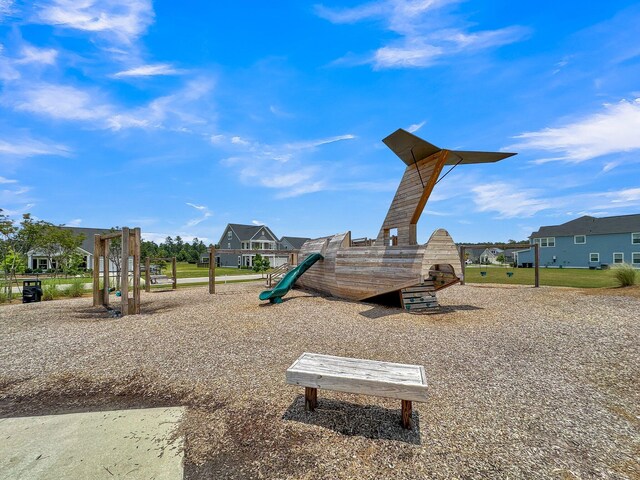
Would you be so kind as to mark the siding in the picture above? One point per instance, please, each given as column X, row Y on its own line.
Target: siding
column 570, row 255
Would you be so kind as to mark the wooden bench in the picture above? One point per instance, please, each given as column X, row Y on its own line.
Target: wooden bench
column 160, row 280
column 383, row 379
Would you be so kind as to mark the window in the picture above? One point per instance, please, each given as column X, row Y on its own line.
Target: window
column 618, row 257
column 635, row 238
column 546, row 241
column 579, row 239
column 43, row 264
column 635, row 258
column 594, row 257
column 229, row 235
column 229, row 245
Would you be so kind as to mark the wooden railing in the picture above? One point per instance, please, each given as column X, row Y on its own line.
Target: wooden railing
column 277, row 273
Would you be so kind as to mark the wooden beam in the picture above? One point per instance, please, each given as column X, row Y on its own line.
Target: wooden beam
column 147, row 276
column 174, row 271
column 426, row 193
column 212, row 270
column 124, row 272
column 136, row 269
column 406, row 414
column 536, row 254
column 97, row 251
column 105, row 271
column 310, row 399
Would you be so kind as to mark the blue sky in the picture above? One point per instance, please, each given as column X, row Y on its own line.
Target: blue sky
column 180, row 117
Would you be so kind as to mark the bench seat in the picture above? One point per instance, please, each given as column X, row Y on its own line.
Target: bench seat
column 352, row 375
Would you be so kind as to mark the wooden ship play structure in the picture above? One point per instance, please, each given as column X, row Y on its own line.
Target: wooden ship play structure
column 394, row 268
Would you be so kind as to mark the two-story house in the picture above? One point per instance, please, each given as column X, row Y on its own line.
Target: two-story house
column 587, row 242
column 247, row 238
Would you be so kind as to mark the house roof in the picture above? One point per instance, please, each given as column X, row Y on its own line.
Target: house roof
column 87, row 242
column 246, row 232
column 587, row 225
column 295, row 242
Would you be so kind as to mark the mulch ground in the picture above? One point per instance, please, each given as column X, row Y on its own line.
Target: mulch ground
column 524, row 382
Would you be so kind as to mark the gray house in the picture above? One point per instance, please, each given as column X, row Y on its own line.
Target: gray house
column 37, row 260
column 247, row 238
column 292, row 243
column 587, row 242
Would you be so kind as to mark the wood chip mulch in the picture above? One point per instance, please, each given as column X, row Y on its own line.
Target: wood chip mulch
column 524, row 382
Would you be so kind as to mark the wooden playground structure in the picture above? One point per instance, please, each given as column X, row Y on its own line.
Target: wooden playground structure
column 394, row 266
column 130, row 247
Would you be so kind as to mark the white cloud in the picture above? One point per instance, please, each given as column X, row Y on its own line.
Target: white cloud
column 5, row 8
column 508, row 200
column 149, row 70
column 425, row 35
column 31, row 54
column 7, row 180
column 614, row 130
column 74, row 223
column 29, row 148
column 206, row 213
column 59, row 101
column 415, row 127
column 282, row 162
column 119, row 20
column 257, row 223
column 65, row 102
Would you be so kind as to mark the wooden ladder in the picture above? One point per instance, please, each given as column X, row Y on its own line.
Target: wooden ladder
column 420, row 297
column 276, row 275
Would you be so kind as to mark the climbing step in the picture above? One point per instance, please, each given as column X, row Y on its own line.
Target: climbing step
column 419, row 297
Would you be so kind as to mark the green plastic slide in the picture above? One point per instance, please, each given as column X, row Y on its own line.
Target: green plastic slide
column 284, row 285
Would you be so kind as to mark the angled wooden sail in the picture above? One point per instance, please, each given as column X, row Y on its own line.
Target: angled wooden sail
column 424, row 163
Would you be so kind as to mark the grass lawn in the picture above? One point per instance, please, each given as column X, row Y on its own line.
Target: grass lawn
column 190, row 270
column 557, row 277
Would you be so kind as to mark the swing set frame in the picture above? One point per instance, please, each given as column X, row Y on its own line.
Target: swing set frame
column 536, row 256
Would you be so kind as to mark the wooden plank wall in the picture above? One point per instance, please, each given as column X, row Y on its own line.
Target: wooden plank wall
column 441, row 249
column 410, row 198
column 321, row 276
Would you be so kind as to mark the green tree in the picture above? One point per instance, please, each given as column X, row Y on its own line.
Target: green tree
column 260, row 264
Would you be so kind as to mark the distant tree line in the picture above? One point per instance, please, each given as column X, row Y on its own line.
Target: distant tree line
column 174, row 247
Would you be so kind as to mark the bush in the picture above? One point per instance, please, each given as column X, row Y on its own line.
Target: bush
column 624, row 274
column 76, row 289
column 50, row 292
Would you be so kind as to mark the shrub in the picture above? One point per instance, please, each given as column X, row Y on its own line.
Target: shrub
column 76, row 289
column 624, row 274
column 50, row 292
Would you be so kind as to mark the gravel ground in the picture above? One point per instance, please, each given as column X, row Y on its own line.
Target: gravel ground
column 524, row 382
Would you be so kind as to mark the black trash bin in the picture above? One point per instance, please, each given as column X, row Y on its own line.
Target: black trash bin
column 31, row 291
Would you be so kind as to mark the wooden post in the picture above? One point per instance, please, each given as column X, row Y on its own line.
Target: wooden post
column 406, row 414
column 105, row 271
column 536, row 249
column 212, row 270
column 311, row 399
column 147, row 278
column 135, row 251
column 464, row 263
column 97, row 251
column 124, row 272
column 174, row 270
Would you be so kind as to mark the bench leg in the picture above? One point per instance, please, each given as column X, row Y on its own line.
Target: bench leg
column 406, row 414
column 310, row 398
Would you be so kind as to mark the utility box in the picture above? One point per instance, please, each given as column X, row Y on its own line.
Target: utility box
column 31, row 291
